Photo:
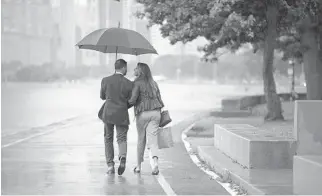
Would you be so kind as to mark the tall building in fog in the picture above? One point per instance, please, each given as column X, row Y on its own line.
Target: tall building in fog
column 38, row 32
column 127, row 13
column 140, row 25
column 74, row 19
column 114, row 13
column 26, row 30
column 46, row 31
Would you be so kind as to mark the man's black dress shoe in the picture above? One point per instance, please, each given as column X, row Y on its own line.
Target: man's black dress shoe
column 121, row 168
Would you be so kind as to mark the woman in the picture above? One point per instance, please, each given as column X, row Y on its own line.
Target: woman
column 147, row 103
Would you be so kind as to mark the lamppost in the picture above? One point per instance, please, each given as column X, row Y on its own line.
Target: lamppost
column 291, row 74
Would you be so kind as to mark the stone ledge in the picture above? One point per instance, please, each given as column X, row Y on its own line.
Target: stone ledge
column 276, row 182
column 254, row 148
column 307, row 175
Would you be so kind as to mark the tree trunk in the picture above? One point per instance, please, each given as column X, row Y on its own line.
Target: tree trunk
column 274, row 108
column 312, row 66
column 312, row 61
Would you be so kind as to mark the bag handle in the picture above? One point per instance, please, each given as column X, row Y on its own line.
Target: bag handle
column 159, row 99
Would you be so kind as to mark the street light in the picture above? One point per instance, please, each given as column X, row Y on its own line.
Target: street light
column 291, row 74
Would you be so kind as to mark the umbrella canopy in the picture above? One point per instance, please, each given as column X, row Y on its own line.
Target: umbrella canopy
column 117, row 40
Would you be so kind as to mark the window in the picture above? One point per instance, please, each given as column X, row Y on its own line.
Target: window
column 55, row 3
column 6, row 24
column 82, row 2
column 37, row 2
column 6, row 1
column 29, row 28
column 17, row 1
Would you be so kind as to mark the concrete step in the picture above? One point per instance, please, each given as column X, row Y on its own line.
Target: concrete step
column 253, row 181
column 254, row 148
column 307, row 172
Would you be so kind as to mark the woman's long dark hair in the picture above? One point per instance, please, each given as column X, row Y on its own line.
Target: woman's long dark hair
column 146, row 75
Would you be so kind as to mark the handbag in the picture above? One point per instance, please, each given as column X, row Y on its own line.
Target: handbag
column 164, row 137
column 100, row 112
column 165, row 118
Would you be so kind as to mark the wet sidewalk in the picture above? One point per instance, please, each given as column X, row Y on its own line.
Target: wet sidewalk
column 71, row 160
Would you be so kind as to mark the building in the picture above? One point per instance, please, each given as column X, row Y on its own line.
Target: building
column 127, row 13
column 35, row 32
column 114, row 19
column 74, row 19
column 26, row 30
column 140, row 26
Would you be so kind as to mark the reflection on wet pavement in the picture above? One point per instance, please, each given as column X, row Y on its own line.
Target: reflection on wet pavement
column 72, row 161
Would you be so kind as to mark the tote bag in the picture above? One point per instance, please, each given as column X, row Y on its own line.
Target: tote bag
column 164, row 136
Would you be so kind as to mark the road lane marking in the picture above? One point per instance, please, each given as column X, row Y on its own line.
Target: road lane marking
column 40, row 134
column 163, row 183
column 54, row 124
column 30, row 137
column 196, row 161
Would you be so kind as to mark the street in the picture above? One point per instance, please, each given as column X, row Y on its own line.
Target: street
column 68, row 157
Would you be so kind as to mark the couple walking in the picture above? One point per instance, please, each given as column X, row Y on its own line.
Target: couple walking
column 120, row 95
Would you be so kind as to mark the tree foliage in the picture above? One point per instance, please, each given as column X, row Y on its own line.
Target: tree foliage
column 224, row 23
column 229, row 24
column 295, row 23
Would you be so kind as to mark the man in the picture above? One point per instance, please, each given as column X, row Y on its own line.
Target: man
column 116, row 90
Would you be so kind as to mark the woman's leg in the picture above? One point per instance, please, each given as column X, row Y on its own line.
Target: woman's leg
column 152, row 139
column 141, row 124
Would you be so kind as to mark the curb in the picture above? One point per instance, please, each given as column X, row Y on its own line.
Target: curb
column 196, row 160
column 229, row 175
column 218, row 170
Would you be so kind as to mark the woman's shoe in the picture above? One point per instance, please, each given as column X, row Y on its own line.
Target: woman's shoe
column 155, row 171
column 136, row 170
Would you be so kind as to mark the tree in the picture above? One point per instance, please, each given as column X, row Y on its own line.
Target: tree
column 225, row 24
column 303, row 42
column 173, row 62
column 307, row 16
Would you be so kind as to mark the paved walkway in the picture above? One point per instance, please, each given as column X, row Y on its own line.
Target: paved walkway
column 70, row 160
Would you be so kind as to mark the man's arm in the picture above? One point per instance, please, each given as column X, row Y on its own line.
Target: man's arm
column 103, row 91
column 135, row 94
column 130, row 94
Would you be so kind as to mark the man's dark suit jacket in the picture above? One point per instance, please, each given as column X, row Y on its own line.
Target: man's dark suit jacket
column 116, row 90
